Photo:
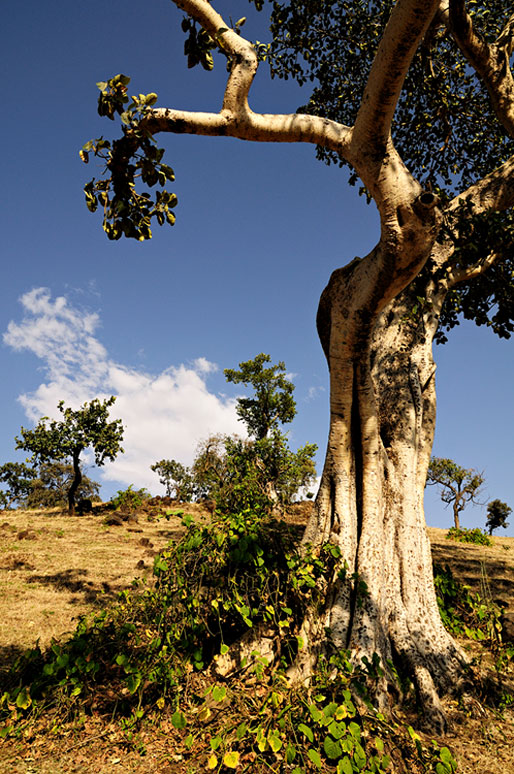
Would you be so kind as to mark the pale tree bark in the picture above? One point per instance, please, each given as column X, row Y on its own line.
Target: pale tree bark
column 379, row 354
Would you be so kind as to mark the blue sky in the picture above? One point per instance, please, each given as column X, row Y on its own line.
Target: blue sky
column 259, row 230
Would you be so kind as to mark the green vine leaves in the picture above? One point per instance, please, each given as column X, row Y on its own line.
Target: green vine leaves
column 126, row 212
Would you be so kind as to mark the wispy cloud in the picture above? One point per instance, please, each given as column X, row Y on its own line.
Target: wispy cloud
column 313, row 392
column 164, row 414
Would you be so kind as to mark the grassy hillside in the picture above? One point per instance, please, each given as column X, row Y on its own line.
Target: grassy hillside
column 54, row 568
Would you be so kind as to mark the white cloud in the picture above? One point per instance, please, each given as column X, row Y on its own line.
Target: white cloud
column 313, row 392
column 165, row 414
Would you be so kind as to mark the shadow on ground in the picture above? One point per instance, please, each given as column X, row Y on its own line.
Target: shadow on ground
column 75, row 581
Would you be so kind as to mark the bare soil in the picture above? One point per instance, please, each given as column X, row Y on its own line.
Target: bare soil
column 54, row 568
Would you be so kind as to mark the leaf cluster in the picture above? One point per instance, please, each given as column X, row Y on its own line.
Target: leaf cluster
column 489, row 298
column 465, row 535
column 134, row 156
column 444, row 126
column 18, row 477
column 198, row 45
column 129, row 499
column 273, row 401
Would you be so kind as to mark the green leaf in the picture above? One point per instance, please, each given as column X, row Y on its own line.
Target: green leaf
column 219, row 693
column 344, row 766
column 290, row 753
column 23, row 700
column 178, row 720
column 274, row 741
column 332, row 748
column 306, row 731
column 338, row 730
column 315, row 757
column 133, row 682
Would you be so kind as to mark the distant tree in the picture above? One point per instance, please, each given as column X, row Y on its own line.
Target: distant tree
column 273, row 401
column 210, row 469
column 18, row 477
column 88, row 427
column 51, row 486
column 497, row 515
column 459, row 486
column 177, row 479
column 240, row 473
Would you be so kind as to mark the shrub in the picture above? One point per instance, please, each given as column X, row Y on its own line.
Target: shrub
column 464, row 535
column 129, row 498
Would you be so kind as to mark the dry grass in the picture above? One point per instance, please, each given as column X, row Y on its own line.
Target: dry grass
column 54, row 568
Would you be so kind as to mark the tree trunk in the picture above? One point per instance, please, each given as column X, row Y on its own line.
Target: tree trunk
column 456, row 520
column 77, row 478
column 370, row 502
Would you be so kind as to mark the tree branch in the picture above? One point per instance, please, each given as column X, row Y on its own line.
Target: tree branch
column 506, row 37
column 258, row 127
column 493, row 192
column 408, row 23
column 489, row 60
column 458, row 274
column 236, row 119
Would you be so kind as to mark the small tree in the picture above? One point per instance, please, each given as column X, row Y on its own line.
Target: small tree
column 51, row 486
column 88, row 427
column 459, row 486
column 497, row 515
column 177, row 479
column 273, row 401
column 18, row 476
column 210, row 470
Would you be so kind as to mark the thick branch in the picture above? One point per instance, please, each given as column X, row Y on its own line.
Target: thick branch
column 494, row 192
column 240, row 51
column 408, row 23
column 490, row 61
column 236, row 119
column 506, row 37
column 259, row 127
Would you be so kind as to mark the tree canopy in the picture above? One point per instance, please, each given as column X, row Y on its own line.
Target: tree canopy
column 459, row 486
column 273, row 402
column 80, row 429
column 497, row 514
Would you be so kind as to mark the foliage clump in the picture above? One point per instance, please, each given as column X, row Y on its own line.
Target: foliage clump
column 129, row 498
column 465, row 535
column 465, row 613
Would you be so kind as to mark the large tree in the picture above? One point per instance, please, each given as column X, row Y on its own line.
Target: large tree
column 416, row 98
